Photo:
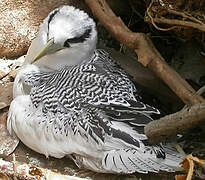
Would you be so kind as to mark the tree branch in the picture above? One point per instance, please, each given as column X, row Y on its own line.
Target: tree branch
column 176, row 123
column 147, row 53
column 151, row 58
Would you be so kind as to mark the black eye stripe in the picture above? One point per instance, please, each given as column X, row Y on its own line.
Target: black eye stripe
column 80, row 38
column 50, row 19
column 52, row 16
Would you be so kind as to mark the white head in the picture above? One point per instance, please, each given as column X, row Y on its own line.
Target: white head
column 67, row 36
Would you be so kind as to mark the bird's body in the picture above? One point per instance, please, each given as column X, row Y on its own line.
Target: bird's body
column 86, row 108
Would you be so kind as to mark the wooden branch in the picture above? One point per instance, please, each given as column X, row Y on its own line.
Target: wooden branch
column 176, row 123
column 147, row 53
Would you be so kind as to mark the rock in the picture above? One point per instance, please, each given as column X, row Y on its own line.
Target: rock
column 6, row 94
column 7, row 144
column 6, row 66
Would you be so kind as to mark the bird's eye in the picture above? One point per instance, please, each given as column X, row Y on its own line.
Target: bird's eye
column 79, row 39
column 66, row 43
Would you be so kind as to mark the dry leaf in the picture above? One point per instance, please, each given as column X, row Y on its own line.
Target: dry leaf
column 200, row 162
column 188, row 165
column 180, row 177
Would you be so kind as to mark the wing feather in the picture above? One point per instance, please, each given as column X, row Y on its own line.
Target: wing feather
column 99, row 83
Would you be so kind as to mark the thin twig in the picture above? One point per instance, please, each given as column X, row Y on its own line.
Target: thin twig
column 184, row 15
column 194, row 23
column 153, row 22
column 180, row 23
column 201, row 90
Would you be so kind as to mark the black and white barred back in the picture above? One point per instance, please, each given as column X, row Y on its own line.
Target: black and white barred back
column 98, row 83
column 91, row 99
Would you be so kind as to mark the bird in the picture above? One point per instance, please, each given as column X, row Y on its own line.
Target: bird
column 71, row 100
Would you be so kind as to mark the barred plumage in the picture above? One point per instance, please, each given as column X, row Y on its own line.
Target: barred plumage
column 87, row 110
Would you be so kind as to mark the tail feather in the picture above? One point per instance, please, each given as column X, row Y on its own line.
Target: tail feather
column 132, row 160
column 121, row 161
